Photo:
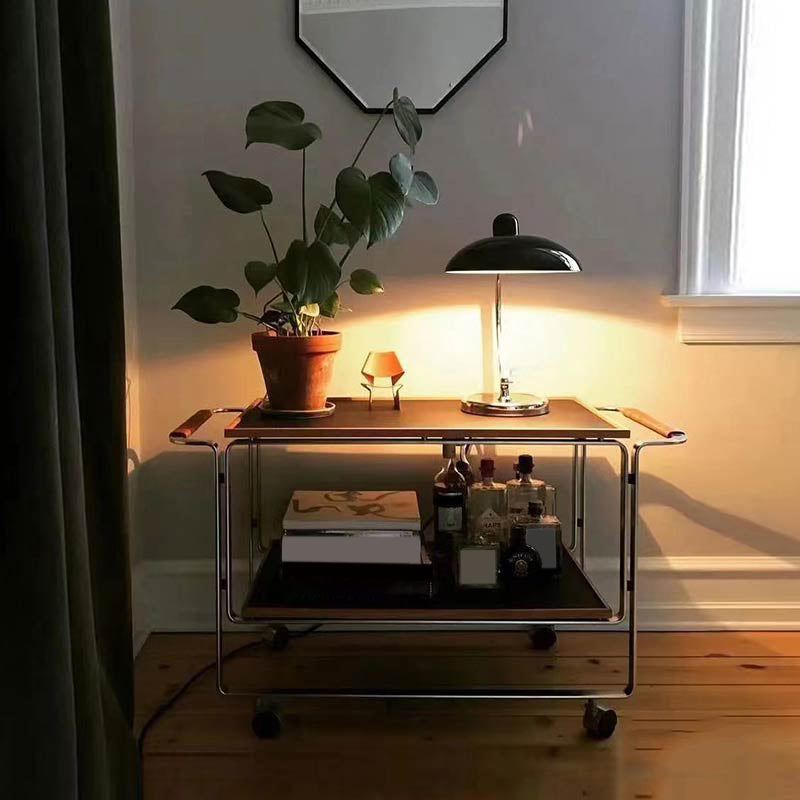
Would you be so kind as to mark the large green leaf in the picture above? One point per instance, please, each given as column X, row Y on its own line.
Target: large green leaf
column 362, row 281
column 354, row 197
column 402, row 171
column 406, row 120
column 293, row 270
column 330, row 308
column 258, row 274
column 423, row 189
column 244, row 195
column 337, row 230
column 280, row 122
column 209, row 305
column 353, row 234
column 323, row 275
column 373, row 204
column 334, row 231
column 386, row 207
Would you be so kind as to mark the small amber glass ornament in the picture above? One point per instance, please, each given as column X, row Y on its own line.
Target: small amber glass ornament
column 382, row 370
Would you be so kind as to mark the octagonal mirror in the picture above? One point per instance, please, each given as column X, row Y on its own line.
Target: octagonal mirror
column 427, row 48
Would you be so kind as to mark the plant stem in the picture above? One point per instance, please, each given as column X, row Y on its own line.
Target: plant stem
column 347, row 253
column 256, row 319
column 369, row 135
column 288, row 299
column 269, row 235
column 303, row 198
column 272, row 299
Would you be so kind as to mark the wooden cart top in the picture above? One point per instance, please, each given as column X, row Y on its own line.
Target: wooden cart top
column 422, row 419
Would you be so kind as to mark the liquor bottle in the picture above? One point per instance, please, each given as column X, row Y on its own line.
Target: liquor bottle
column 542, row 533
column 464, row 467
column 478, row 556
column 521, row 565
column 524, row 490
column 550, row 506
column 449, row 506
column 487, row 508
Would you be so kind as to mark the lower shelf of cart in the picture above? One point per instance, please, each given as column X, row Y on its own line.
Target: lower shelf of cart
column 570, row 596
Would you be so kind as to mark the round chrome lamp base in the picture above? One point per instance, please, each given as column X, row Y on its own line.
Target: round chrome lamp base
column 488, row 404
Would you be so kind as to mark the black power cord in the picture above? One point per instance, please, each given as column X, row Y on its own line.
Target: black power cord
column 167, row 704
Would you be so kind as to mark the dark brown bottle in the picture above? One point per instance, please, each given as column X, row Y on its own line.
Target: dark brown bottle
column 521, row 565
column 449, row 505
column 463, row 465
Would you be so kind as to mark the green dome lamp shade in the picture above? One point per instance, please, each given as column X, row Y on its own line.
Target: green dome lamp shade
column 507, row 253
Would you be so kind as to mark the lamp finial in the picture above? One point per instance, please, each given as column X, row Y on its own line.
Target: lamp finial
column 505, row 225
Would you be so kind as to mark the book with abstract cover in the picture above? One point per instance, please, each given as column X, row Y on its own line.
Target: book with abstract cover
column 352, row 511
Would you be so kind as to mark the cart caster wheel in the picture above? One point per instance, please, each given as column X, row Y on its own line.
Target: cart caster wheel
column 277, row 637
column 543, row 637
column 599, row 722
column 266, row 724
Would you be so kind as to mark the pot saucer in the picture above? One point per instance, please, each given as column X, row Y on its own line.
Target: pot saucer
column 267, row 410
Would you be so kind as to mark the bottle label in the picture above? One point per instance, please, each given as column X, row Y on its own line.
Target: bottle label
column 520, row 568
column 450, row 519
column 490, row 523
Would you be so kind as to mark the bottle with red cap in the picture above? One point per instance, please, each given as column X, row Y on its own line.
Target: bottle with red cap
column 487, row 508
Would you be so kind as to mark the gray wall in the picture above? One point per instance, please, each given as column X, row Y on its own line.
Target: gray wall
column 575, row 127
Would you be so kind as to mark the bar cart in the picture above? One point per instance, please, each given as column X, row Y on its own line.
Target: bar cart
column 571, row 601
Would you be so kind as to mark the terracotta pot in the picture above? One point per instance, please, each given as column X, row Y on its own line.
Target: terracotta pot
column 297, row 369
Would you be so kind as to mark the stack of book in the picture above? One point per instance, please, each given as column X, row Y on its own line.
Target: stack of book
column 356, row 543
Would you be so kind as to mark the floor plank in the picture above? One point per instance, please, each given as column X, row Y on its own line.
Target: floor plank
column 714, row 715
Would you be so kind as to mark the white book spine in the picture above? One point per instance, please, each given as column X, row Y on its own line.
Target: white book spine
column 352, row 549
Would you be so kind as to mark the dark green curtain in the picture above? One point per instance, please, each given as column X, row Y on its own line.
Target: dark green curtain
column 67, row 688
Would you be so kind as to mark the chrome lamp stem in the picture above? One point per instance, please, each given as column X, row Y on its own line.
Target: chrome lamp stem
column 505, row 382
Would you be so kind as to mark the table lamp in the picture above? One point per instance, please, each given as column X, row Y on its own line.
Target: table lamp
column 508, row 253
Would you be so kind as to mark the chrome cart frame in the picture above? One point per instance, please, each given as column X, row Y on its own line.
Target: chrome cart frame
column 599, row 722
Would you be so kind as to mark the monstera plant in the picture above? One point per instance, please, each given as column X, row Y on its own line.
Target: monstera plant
column 302, row 283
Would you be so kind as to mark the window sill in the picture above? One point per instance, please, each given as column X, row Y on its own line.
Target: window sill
column 737, row 319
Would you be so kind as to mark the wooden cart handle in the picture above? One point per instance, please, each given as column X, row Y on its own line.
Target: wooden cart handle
column 186, row 429
column 652, row 423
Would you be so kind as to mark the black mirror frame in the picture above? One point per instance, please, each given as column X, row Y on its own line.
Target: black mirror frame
column 369, row 110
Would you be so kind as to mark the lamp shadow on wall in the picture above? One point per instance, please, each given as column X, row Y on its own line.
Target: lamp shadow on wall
column 657, row 491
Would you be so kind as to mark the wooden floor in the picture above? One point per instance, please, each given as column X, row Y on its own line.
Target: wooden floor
column 715, row 715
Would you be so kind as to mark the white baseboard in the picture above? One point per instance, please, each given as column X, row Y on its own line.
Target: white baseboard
column 677, row 593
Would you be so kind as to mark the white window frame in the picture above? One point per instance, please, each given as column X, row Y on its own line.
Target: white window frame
column 714, row 57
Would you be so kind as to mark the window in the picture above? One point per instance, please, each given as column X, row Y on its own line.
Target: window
column 741, row 172
column 766, row 255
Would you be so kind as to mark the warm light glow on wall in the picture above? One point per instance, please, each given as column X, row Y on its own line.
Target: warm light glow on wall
column 446, row 351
